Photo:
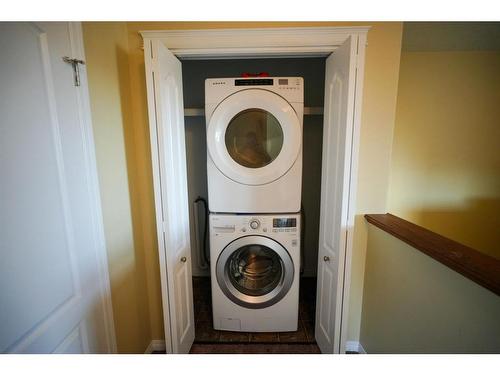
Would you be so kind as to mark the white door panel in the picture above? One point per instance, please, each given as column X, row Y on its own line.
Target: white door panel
column 170, row 180
column 337, row 139
column 51, row 273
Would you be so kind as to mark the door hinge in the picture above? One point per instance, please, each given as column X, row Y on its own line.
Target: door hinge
column 76, row 72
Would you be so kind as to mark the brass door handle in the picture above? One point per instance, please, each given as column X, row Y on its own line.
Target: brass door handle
column 326, row 259
column 183, row 259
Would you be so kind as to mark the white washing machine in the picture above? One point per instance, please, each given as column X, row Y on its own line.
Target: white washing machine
column 254, row 144
column 255, row 265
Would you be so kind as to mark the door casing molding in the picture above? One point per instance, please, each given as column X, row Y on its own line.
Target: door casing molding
column 85, row 119
column 280, row 42
column 258, row 42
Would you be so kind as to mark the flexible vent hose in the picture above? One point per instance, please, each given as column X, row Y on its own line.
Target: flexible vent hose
column 205, row 230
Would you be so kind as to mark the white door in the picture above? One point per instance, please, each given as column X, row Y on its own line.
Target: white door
column 340, row 84
column 164, row 80
column 54, row 287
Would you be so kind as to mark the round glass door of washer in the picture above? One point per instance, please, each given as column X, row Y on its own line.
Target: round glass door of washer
column 254, row 137
column 255, row 271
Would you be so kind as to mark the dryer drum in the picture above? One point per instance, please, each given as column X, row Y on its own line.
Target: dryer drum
column 255, row 271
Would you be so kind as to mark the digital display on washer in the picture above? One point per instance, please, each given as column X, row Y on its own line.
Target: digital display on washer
column 284, row 223
column 253, row 82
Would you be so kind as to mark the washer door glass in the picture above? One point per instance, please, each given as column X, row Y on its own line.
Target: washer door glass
column 254, row 270
column 254, row 138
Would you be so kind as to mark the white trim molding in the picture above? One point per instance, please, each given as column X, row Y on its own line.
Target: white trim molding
column 155, row 346
column 353, row 178
column 85, row 118
column 264, row 42
column 354, row 346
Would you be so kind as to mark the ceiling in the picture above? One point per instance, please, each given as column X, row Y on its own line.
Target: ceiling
column 451, row 36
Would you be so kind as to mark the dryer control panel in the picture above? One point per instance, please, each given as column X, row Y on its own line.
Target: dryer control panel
column 291, row 88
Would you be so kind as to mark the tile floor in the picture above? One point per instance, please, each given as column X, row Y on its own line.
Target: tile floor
column 251, row 348
column 209, row 340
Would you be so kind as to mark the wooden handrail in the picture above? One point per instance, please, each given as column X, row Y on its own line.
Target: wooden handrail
column 476, row 266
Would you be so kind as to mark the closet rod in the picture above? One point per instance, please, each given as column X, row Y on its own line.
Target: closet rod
column 193, row 112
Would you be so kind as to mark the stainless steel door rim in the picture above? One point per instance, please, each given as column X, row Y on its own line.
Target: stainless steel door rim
column 260, row 301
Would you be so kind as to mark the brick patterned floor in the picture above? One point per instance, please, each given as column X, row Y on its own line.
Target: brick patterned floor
column 209, row 340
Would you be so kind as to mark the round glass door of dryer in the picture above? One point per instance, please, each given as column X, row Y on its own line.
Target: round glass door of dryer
column 254, row 137
column 255, row 271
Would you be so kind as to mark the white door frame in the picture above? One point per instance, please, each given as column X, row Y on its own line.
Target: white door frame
column 76, row 40
column 281, row 42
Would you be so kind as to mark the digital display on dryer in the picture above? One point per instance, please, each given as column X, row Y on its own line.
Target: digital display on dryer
column 254, row 82
column 284, row 223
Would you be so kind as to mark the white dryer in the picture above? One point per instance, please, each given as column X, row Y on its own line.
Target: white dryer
column 254, row 144
column 255, row 265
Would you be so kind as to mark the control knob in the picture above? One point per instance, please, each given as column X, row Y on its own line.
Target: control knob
column 254, row 224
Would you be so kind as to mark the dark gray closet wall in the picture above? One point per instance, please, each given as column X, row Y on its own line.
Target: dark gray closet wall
column 194, row 73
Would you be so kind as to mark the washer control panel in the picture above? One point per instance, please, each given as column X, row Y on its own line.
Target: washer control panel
column 245, row 225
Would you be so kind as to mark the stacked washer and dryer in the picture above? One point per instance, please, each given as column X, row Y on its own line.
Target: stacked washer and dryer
column 254, row 169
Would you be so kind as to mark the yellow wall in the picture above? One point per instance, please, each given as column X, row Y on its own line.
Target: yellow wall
column 446, row 159
column 414, row 304
column 106, row 48
column 381, row 75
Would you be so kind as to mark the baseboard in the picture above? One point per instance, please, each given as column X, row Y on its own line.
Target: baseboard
column 155, row 346
column 354, row 346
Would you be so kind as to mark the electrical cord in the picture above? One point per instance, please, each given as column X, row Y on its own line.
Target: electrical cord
column 205, row 230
